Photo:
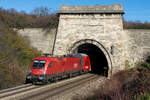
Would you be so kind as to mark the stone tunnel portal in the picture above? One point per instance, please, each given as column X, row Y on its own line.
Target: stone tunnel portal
column 99, row 64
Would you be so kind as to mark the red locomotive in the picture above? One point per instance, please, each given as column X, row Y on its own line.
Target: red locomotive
column 47, row 69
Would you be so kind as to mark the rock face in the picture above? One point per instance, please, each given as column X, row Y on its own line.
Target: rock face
column 100, row 25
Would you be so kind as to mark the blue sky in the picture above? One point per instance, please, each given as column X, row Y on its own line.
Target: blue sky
column 135, row 9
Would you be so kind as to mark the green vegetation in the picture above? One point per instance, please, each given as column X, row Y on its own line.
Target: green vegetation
column 132, row 84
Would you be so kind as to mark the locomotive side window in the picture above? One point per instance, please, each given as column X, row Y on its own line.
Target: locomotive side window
column 50, row 64
column 38, row 64
column 86, row 63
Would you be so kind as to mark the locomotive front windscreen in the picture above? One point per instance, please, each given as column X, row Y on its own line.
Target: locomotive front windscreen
column 38, row 64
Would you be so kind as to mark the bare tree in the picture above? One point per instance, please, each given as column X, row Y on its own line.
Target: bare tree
column 41, row 11
column 12, row 11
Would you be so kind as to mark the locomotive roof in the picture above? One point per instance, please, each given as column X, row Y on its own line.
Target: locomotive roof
column 83, row 54
column 64, row 56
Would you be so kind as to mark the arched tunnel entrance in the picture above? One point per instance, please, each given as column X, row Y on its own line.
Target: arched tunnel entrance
column 99, row 64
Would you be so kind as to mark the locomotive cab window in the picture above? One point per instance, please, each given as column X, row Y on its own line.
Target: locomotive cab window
column 50, row 64
column 37, row 64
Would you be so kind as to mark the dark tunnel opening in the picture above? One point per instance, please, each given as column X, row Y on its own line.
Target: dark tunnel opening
column 99, row 64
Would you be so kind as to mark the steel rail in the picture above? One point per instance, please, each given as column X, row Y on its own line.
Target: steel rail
column 15, row 88
column 24, row 89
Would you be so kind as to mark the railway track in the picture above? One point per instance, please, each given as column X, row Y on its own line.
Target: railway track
column 16, row 90
column 35, row 92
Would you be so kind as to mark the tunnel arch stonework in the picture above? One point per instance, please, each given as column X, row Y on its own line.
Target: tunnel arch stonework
column 99, row 25
column 75, row 46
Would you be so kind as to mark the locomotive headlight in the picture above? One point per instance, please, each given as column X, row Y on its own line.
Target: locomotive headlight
column 86, row 66
column 41, row 77
column 29, row 77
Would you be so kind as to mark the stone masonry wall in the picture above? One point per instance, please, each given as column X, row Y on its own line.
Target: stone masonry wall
column 138, row 42
column 38, row 38
column 104, row 28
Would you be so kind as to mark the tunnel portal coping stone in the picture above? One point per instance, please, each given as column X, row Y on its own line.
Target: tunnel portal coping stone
column 115, row 8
